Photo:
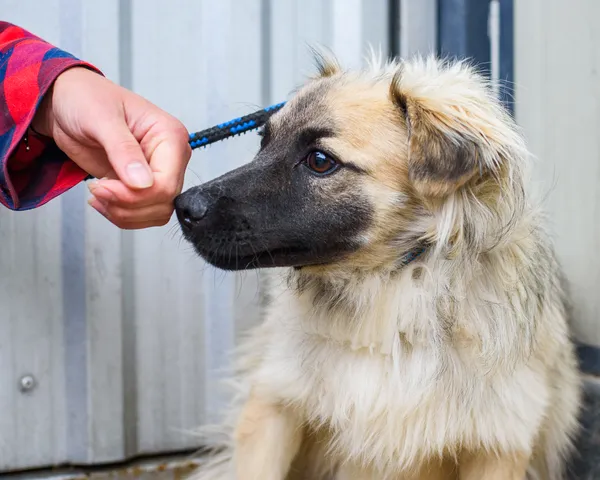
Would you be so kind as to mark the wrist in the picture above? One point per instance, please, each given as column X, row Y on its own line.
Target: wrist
column 42, row 120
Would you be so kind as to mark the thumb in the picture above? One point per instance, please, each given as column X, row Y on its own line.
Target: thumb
column 125, row 155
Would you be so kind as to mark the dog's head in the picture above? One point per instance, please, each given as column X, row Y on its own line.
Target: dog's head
column 356, row 170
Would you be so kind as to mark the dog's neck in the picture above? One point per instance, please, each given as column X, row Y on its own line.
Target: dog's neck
column 371, row 310
column 434, row 304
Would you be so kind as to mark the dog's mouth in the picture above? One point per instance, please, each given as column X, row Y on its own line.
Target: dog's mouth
column 229, row 258
column 229, row 242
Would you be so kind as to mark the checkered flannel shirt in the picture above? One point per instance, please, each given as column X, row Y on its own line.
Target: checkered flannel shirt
column 34, row 171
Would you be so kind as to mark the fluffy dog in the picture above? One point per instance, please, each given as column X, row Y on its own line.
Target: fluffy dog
column 420, row 330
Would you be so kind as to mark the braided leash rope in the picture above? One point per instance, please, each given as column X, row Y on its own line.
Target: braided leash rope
column 233, row 127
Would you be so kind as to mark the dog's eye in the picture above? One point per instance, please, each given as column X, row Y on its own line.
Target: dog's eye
column 321, row 163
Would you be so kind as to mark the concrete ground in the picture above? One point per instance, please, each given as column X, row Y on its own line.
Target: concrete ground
column 163, row 468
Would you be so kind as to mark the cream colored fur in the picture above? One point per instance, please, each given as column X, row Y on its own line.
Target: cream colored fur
column 457, row 366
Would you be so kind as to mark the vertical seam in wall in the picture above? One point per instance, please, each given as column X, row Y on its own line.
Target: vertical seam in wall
column 507, row 54
column 125, row 44
column 394, row 25
column 404, row 16
column 128, row 311
column 265, row 50
column 463, row 32
column 494, row 36
column 79, row 448
column 452, row 26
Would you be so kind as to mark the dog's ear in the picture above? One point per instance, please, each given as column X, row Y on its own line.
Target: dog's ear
column 325, row 61
column 443, row 154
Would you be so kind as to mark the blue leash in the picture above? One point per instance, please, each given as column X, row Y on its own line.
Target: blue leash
column 233, row 127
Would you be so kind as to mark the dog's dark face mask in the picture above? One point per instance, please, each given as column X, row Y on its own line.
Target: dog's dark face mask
column 295, row 204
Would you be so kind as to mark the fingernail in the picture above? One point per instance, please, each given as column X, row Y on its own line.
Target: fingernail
column 99, row 206
column 102, row 193
column 139, row 175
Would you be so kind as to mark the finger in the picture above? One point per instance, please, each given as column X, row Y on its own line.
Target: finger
column 169, row 155
column 120, row 215
column 125, row 154
column 129, row 225
column 117, row 192
column 126, row 225
column 141, row 225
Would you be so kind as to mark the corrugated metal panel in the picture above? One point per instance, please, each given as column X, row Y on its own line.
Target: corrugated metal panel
column 557, row 61
column 125, row 332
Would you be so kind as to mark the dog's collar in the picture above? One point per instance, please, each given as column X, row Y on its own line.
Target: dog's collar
column 412, row 255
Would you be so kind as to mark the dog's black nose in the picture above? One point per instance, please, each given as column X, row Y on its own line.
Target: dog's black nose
column 191, row 208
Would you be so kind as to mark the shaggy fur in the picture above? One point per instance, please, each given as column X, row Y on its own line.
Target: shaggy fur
column 456, row 366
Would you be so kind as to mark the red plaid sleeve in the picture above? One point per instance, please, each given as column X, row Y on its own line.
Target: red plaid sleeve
column 30, row 177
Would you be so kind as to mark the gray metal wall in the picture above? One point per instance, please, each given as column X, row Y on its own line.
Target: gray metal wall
column 557, row 60
column 124, row 332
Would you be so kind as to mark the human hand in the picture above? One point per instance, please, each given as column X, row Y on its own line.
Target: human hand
column 138, row 151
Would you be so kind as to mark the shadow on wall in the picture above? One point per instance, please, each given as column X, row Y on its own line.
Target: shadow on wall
column 586, row 463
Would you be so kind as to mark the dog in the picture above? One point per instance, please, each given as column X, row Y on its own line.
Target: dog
column 417, row 323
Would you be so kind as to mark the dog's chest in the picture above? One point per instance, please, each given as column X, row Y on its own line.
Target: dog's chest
column 408, row 403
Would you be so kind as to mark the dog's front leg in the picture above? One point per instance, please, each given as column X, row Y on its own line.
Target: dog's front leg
column 488, row 466
column 267, row 438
